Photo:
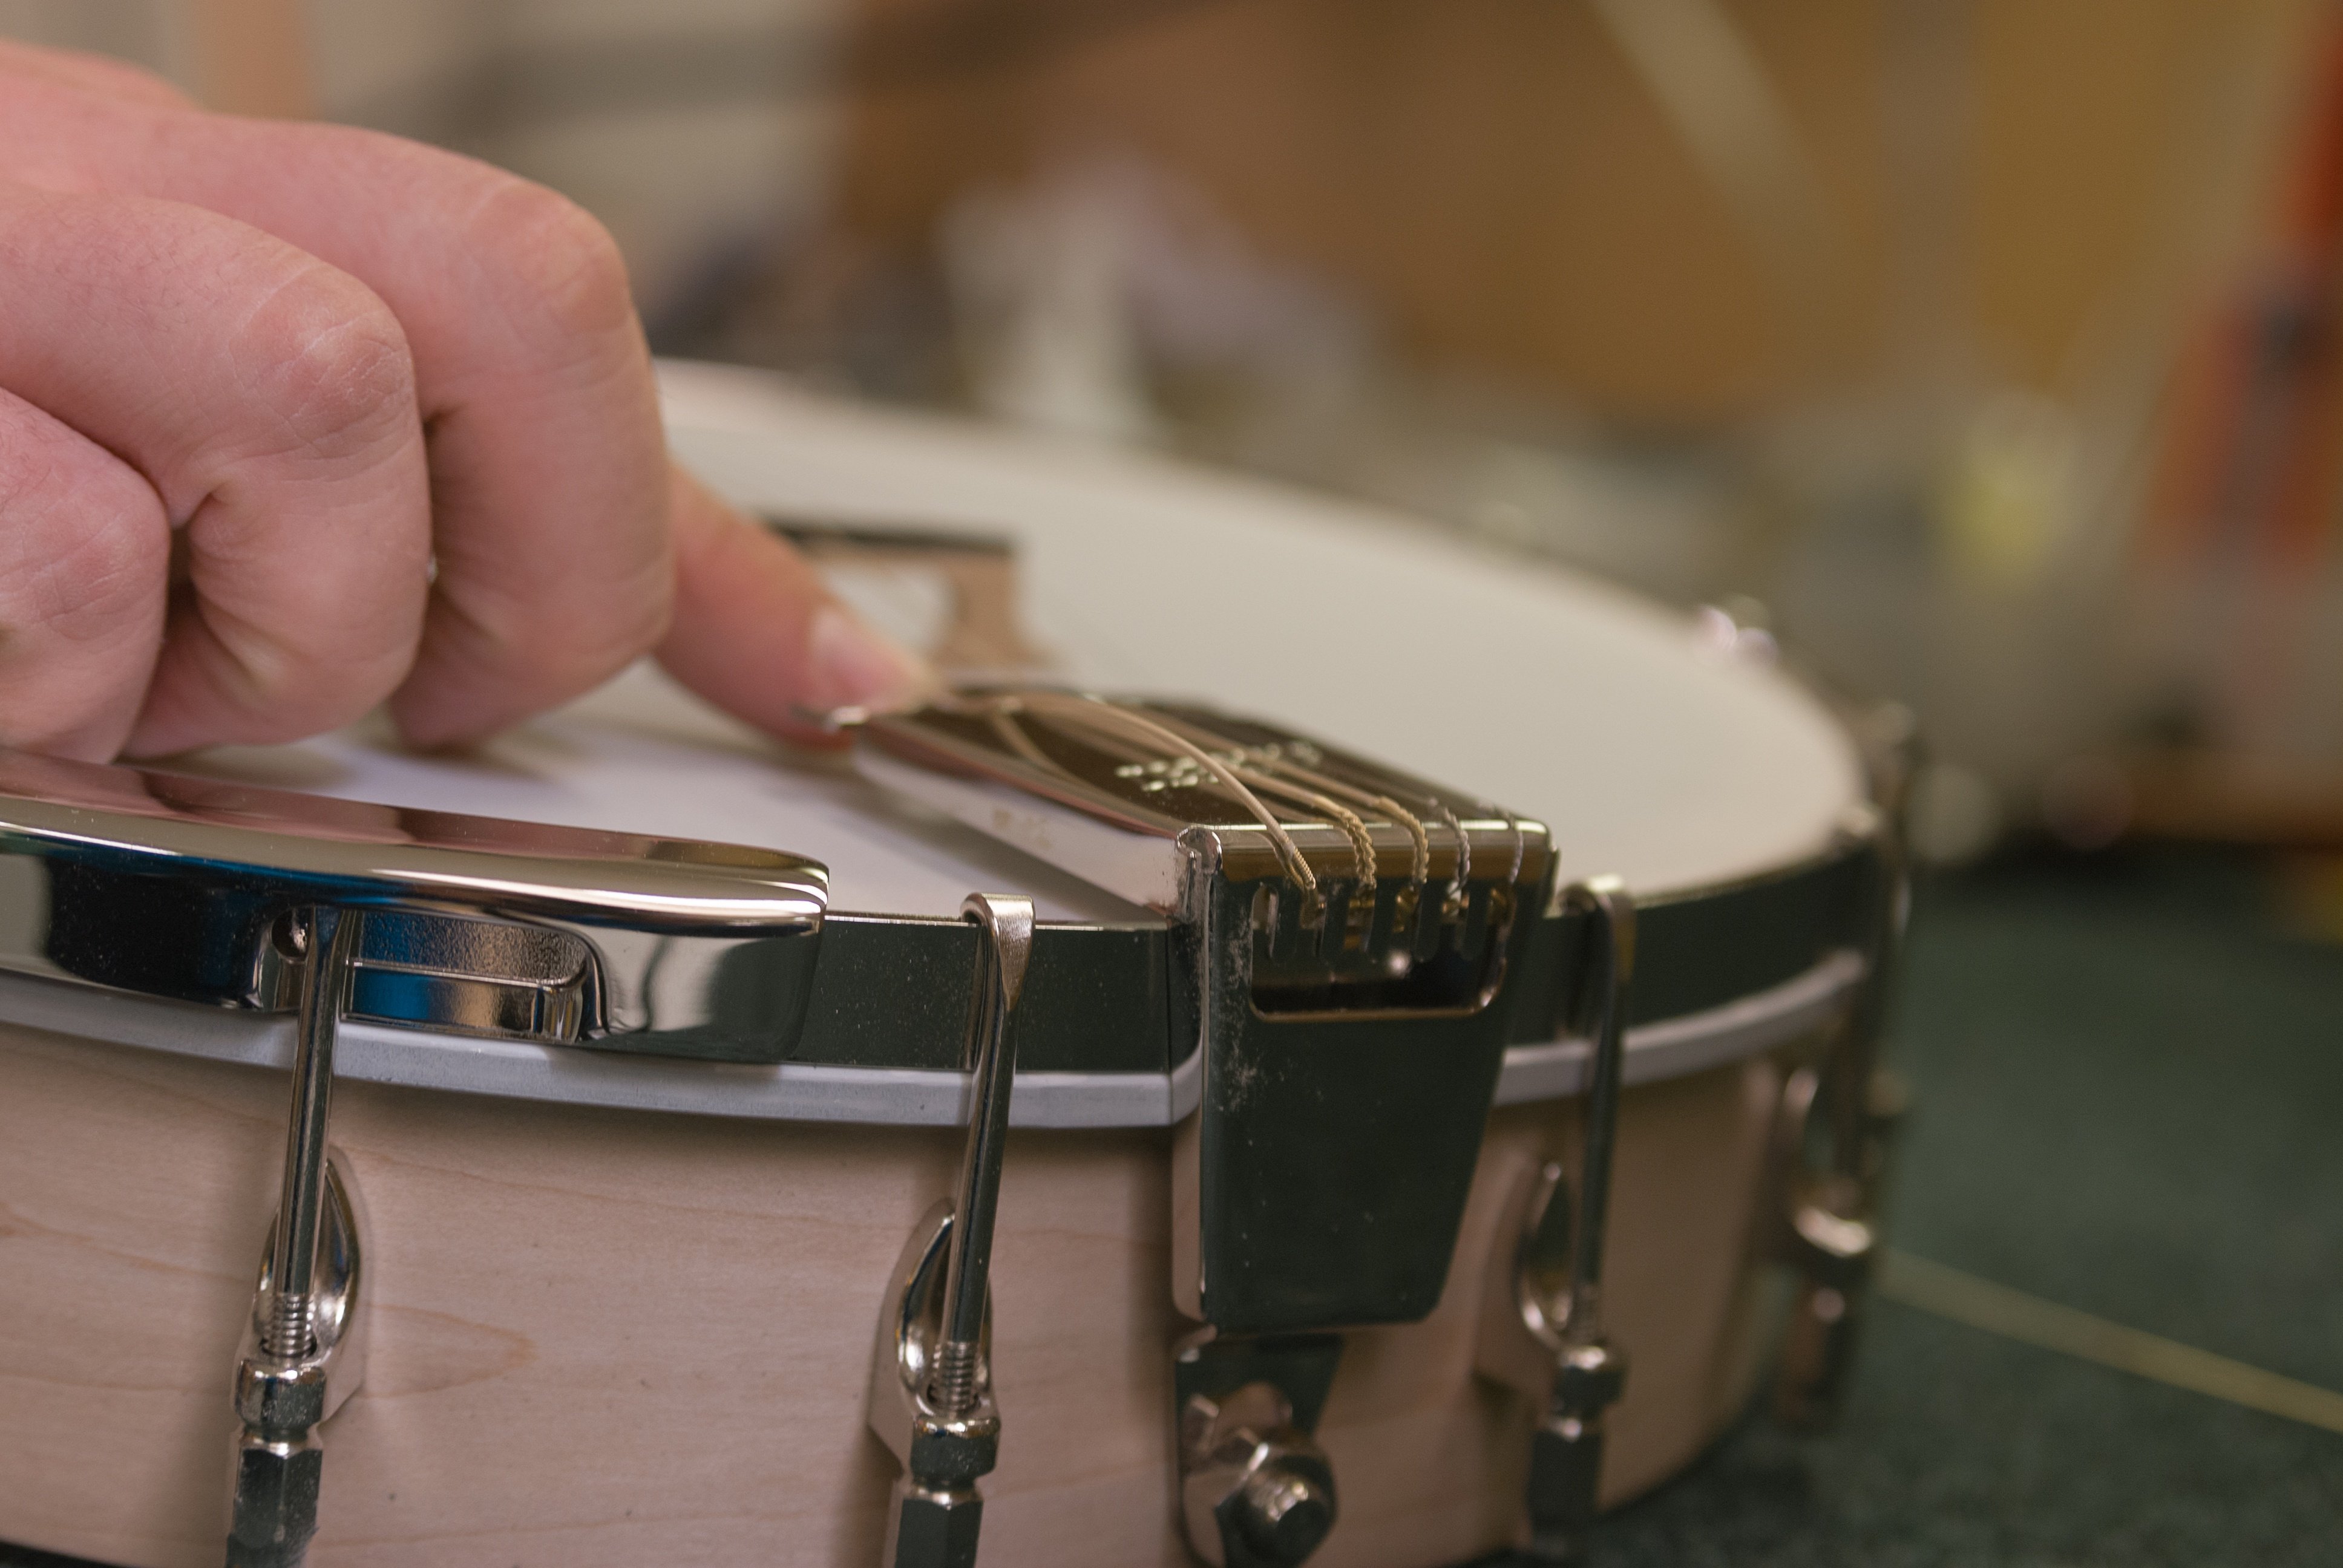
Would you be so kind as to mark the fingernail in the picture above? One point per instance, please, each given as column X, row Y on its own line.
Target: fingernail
column 855, row 667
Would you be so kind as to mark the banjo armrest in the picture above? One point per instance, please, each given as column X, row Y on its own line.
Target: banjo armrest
column 176, row 885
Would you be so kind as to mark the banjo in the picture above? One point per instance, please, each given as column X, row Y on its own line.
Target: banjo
column 1308, row 1055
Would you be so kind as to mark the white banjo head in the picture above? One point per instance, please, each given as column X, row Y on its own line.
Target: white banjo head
column 1652, row 759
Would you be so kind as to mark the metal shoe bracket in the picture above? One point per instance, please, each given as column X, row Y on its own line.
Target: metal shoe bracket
column 303, row 1351
column 930, row 1397
column 1544, row 1333
column 1830, row 1232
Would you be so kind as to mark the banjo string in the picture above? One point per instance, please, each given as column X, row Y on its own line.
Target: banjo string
column 1273, row 758
column 1095, row 712
column 1245, row 774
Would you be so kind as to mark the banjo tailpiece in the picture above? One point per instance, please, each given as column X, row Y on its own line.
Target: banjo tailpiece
column 1349, row 934
column 1349, row 937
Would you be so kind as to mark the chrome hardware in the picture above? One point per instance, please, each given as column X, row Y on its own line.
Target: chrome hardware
column 931, row 1395
column 1542, row 1332
column 1830, row 1234
column 1830, row 1231
column 300, row 1358
column 178, row 886
column 1350, row 932
column 1527, row 1297
column 1255, row 1489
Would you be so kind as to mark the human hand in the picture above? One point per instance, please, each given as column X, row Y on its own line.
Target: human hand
column 297, row 418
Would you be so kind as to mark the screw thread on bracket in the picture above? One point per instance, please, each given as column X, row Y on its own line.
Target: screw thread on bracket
column 287, row 1334
column 953, row 1385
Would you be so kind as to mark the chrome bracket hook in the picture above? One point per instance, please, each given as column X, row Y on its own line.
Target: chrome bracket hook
column 303, row 1352
column 931, row 1395
column 1830, row 1229
column 1542, row 1334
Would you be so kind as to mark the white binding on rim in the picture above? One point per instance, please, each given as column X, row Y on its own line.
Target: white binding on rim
column 813, row 1091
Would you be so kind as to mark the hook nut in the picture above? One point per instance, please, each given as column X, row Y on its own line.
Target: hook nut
column 1284, row 1510
column 1259, row 1492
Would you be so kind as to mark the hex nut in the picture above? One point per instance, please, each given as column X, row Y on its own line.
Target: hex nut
column 949, row 1454
column 282, row 1403
column 1590, row 1378
column 934, row 1529
column 276, row 1502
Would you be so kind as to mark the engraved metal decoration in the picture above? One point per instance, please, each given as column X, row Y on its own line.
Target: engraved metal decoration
column 930, row 1393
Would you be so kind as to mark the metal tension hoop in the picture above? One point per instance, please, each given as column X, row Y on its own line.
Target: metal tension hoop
column 1544, row 1331
column 931, row 1395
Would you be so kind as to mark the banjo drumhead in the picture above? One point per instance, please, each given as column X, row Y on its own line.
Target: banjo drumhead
column 1572, row 702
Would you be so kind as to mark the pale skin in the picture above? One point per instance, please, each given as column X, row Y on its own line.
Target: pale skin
column 299, row 420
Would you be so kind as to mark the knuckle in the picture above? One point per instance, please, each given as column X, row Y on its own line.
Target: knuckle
column 114, row 564
column 643, row 620
column 553, row 270
column 88, row 537
column 333, row 365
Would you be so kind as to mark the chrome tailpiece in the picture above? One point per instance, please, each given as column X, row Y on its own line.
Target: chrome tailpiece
column 1347, row 935
column 303, row 1352
column 931, row 1396
column 1831, row 1207
column 1347, row 939
column 1541, row 1331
